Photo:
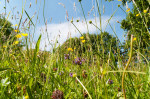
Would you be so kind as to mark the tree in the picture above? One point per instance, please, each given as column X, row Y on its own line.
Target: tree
column 137, row 23
column 97, row 44
column 5, row 29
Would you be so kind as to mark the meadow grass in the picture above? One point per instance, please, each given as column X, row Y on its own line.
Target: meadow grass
column 73, row 70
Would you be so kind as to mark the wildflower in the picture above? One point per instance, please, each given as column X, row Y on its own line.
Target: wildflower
column 119, row 0
column 90, row 22
column 145, row 11
column 137, row 14
column 26, row 97
column 16, row 30
column 74, row 48
column 134, row 39
column 78, row 61
column 109, row 81
column 128, row 10
column 71, row 74
column 66, row 56
column 83, row 41
column 16, row 42
column 70, row 49
column 81, row 37
column 4, row 46
column 57, row 95
column 24, row 34
column 15, row 25
column 71, row 21
column 18, row 36
column 74, row 75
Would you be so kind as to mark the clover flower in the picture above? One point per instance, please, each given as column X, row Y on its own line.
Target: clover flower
column 73, row 74
column 78, row 61
column 66, row 56
column 109, row 81
column 57, row 95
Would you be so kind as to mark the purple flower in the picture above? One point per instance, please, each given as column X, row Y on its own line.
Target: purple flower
column 78, row 61
column 110, row 81
column 61, row 73
column 71, row 74
column 66, row 56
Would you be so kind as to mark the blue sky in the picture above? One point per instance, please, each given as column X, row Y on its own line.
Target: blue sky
column 58, row 12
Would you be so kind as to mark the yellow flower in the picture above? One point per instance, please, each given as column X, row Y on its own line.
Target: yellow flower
column 119, row 0
column 83, row 41
column 74, row 48
column 24, row 34
column 26, row 97
column 128, row 10
column 70, row 49
column 15, row 25
column 16, row 30
column 4, row 46
column 81, row 37
column 134, row 39
column 16, row 42
column 145, row 11
column 18, row 36
column 74, row 75
column 137, row 14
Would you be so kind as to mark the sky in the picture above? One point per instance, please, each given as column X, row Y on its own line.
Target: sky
column 51, row 18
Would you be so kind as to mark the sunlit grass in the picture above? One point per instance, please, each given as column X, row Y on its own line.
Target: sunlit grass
column 90, row 66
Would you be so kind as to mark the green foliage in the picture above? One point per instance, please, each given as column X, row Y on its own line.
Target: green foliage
column 5, row 29
column 97, row 43
column 138, row 23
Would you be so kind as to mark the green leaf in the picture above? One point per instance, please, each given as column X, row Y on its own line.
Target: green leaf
column 36, row 49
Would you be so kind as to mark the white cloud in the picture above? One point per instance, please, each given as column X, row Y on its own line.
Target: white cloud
column 65, row 30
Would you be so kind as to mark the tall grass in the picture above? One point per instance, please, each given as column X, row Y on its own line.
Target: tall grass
column 74, row 68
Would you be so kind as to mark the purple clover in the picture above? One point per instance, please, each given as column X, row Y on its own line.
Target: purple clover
column 78, row 61
column 66, row 56
column 71, row 74
column 110, row 81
